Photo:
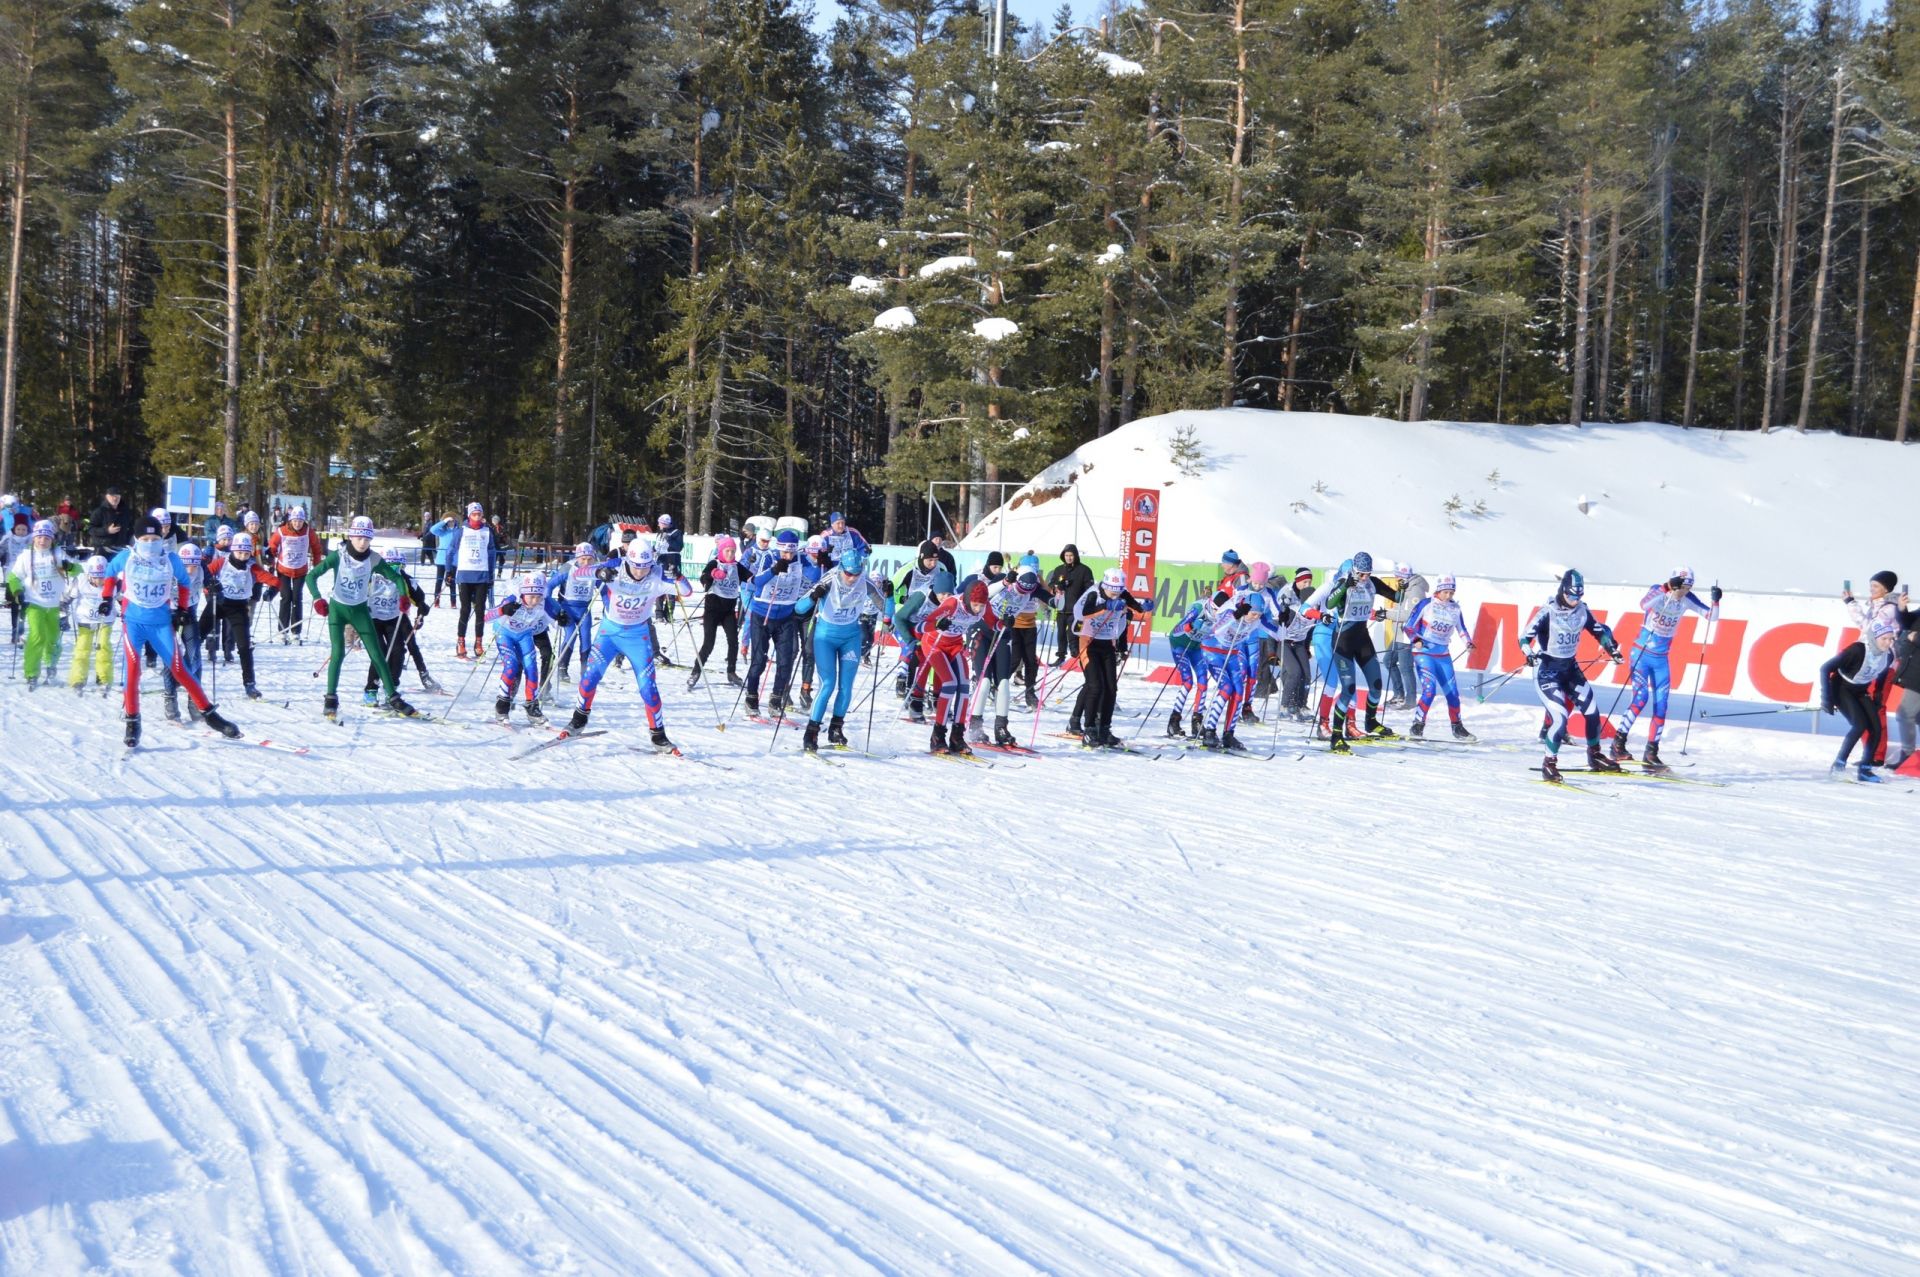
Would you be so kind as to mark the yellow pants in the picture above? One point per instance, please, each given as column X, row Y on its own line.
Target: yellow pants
column 96, row 640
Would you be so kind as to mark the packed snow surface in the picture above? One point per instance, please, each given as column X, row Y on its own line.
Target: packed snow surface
column 1780, row 512
column 404, row 1005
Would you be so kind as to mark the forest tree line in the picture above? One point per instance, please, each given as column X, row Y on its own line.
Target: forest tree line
column 576, row 256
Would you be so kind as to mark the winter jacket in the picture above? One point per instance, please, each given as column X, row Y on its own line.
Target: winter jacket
column 1412, row 590
column 1070, row 580
column 483, row 547
column 104, row 515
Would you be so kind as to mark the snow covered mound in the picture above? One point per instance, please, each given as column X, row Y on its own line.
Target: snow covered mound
column 1781, row 512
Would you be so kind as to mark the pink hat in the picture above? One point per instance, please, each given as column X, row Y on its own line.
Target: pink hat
column 1259, row 573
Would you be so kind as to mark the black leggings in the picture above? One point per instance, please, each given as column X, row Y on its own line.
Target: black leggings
column 1863, row 719
column 1094, row 707
column 1296, row 673
column 396, row 650
column 293, row 604
column 236, row 616
column 719, row 614
column 1025, row 646
column 473, row 602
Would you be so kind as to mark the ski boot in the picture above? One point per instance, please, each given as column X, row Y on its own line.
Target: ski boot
column 577, row 723
column 218, row 722
column 427, row 683
column 916, row 709
column 937, row 743
column 1195, row 727
column 1377, row 729
column 460, row 648
column 370, row 697
column 837, row 732
column 1461, row 733
column 479, row 650
column 1073, row 726
column 693, row 679
column 1597, row 760
column 536, row 715
column 658, row 737
column 1419, row 729
column 1337, row 734
column 502, row 708
column 1550, row 767
column 1001, row 736
column 1028, row 700
column 1618, row 749
column 777, row 709
column 664, row 662
column 976, row 734
column 1231, row 743
column 1109, row 741
column 806, row 697
column 811, row 741
column 397, row 704
column 171, row 704
column 195, row 714
column 957, row 740
column 753, row 706
column 253, row 693
column 734, row 680
column 330, row 707
column 1174, row 729
column 1248, row 716
column 1209, row 739
column 1866, row 776
column 133, row 730
column 1652, row 759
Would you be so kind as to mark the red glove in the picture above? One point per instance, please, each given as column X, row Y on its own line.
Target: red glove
column 320, row 607
column 1312, row 614
column 405, row 603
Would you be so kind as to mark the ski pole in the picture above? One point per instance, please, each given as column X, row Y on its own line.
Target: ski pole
column 1756, row 713
column 1150, row 712
column 1699, row 674
column 721, row 726
column 873, row 697
column 553, row 666
column 470, row 673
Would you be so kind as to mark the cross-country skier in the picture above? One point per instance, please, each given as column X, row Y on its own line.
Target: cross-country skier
column 1664, row 604
column 475, row 558
column 186, row 627
column 1352, row 600
column 943, row 638
column 1552, row 642
column 722, row 579
column 628, row 587
column 91, row 612
column 1846, row 684
column 1241, row 617
column 835, row 603
column 775, row 590
column 152, row 581
column 294, row 548
column 1187, row 641
column 37, row 576
column 16, row 541
column 914, row 580
column 519, row 625
column 841, row 538
column 1296, row 646
column 232, row 578
column 573, row 585
column 1881, row 605
column 1100, row 619
column 353, row 568
column 914, row 606
column 396, row 616
column 1431, row 628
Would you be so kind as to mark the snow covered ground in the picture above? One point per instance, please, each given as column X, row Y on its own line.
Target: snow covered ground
column 402, row 1005
column 1778, row 513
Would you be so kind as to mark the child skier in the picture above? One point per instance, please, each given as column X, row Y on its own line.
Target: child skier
column 943, row 637
column 233, row 578
column 1436, row 619
column 153, row 581
column 1100, row 619
column 91, row 612
column 1664, row 606
column 721, row 578
column 353, row 569
column 1351, row 599
column 294, row 548
column 1242, row 618
column 518, row 626
column 628, row 587
column 572, row 585
column 186, row 624
column 1552, row 642
column 835, row 603
column 37, row 576
column 1296, row 644
column 396, row 616
column 776, row 588
column 1190, row 663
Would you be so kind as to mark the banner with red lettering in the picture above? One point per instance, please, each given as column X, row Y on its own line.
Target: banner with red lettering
column 1140, row 535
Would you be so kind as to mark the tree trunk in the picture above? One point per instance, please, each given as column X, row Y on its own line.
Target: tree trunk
column 1744, row 297
column 563, row 350
column 1231, row 346
column 1699, row 293
column 690, row 434
column 1603, row 378
column 710, row 472
column 790, row 441
column 230, row 417
column 1826, row 253
column 1423, row 336
column 1783, row 241
column 1297, row 324
column 1906, row 368
column 1583, row 288
column 1857, row 393
column 22, row 135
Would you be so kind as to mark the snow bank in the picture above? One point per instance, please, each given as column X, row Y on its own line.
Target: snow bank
column 995, row 329
column 943, row 265
column 897, row 320
column 1782, row 512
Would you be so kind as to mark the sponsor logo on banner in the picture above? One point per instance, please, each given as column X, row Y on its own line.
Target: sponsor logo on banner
column 1140, row 531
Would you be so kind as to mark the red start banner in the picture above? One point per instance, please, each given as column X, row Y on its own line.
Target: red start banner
column 1140, row 530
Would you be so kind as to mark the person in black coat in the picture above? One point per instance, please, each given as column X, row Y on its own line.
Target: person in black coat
column 110, row 527
column 1070, row 580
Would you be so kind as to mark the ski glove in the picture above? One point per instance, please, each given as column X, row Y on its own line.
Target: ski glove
column 320, row 608
column 1116, row 605
column 1242, row 608
column 944, row 624
column 1714, row 594
column 781, row 565
column 820, row 591
column 603, row 575
column 510, row 607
